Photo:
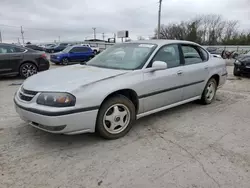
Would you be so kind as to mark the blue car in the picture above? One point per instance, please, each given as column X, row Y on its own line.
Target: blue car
column 72, row 54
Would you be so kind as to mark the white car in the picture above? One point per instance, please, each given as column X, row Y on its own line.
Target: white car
column 96, row 50
column 125, row 82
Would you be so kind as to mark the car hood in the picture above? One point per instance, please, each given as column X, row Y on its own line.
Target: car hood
column 58, row 53
column 69, row 78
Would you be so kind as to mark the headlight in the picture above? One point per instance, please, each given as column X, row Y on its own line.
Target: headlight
column 237, row 62
column 56, row 99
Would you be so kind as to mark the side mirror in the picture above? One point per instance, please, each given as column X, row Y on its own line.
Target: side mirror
column 159, row 65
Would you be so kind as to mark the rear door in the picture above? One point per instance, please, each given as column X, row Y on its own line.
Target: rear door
column 16, row 57
column 195, row 70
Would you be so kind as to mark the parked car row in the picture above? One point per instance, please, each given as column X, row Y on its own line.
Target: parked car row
column 24, row 61
column 53, row 48
column 72, row 54
column 17, row 60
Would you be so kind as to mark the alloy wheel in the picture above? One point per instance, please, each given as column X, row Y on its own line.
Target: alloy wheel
column 116, row 118
column 28, row 69
column 210, row 91
column 65, row 61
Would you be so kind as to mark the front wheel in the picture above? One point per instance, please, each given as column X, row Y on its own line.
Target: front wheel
column 115, row 117
column 27, row 69
column 236, row 72
column 65, row 61
column 209, row 92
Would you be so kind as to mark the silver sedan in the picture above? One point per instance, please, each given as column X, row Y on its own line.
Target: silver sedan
column 125, row 82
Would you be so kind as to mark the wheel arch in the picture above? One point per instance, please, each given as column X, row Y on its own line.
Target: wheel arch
column 217, row 78
column 28, row 61
column 129, row 93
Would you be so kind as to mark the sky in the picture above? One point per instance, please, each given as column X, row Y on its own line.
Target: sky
column 73, row 20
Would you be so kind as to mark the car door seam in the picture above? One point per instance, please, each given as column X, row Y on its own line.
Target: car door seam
column 169, row 89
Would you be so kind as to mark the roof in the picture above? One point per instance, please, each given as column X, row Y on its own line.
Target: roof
column 77, row 45
column 162, row 41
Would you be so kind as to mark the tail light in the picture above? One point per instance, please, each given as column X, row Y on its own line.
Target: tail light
column 44, row 56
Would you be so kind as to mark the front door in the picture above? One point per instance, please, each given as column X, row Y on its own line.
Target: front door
column 4, row 60
column 163, row 87
column 195, row 70
column 79, row 53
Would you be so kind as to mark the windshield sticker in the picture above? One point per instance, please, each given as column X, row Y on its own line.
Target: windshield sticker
column 146, row 45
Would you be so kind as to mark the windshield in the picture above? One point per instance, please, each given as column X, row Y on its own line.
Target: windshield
column 128, row 56
column 66, row 50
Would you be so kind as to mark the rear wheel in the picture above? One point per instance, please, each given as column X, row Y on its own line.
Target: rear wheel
column 27, row 69
column 65, row 61
column 115, row 117
column 236, row 72
column 209, row 92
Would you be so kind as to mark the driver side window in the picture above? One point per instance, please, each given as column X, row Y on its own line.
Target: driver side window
column 169, row 54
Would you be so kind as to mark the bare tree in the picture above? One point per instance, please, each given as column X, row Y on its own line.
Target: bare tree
column 205, row 29
column 230, row 29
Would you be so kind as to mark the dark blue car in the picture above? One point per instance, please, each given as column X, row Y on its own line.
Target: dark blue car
column 72, row 54
column 56, row 48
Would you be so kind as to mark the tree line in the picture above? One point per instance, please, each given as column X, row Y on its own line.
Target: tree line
column 206, row 30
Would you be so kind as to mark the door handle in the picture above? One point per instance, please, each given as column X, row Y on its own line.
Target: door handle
column 206, row 68
column 179, row 73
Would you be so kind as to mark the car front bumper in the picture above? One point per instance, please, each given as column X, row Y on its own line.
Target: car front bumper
column 43, row 64
column 73, row 123
column 243, row 69
column 55, row 60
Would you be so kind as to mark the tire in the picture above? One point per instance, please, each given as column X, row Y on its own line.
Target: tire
column 65, row 61
column 207, row 98
column 90, row 58
column 236, row 72
column 115, row 117
column 27, row 69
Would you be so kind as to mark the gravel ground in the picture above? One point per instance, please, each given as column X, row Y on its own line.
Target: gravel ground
column 188, row 146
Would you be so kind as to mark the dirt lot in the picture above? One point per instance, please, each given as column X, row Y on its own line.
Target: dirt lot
column 188, row 146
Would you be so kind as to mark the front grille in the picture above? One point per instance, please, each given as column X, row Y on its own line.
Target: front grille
column 24, row 97
column 29, row 92
column 248, row 64
column 27, row 95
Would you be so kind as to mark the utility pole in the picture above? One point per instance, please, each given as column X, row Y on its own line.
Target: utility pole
column 18, row 41
column 103, row 36
column 1, row 37
column 159, row 20
column 94, row 32
column 22, row 32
